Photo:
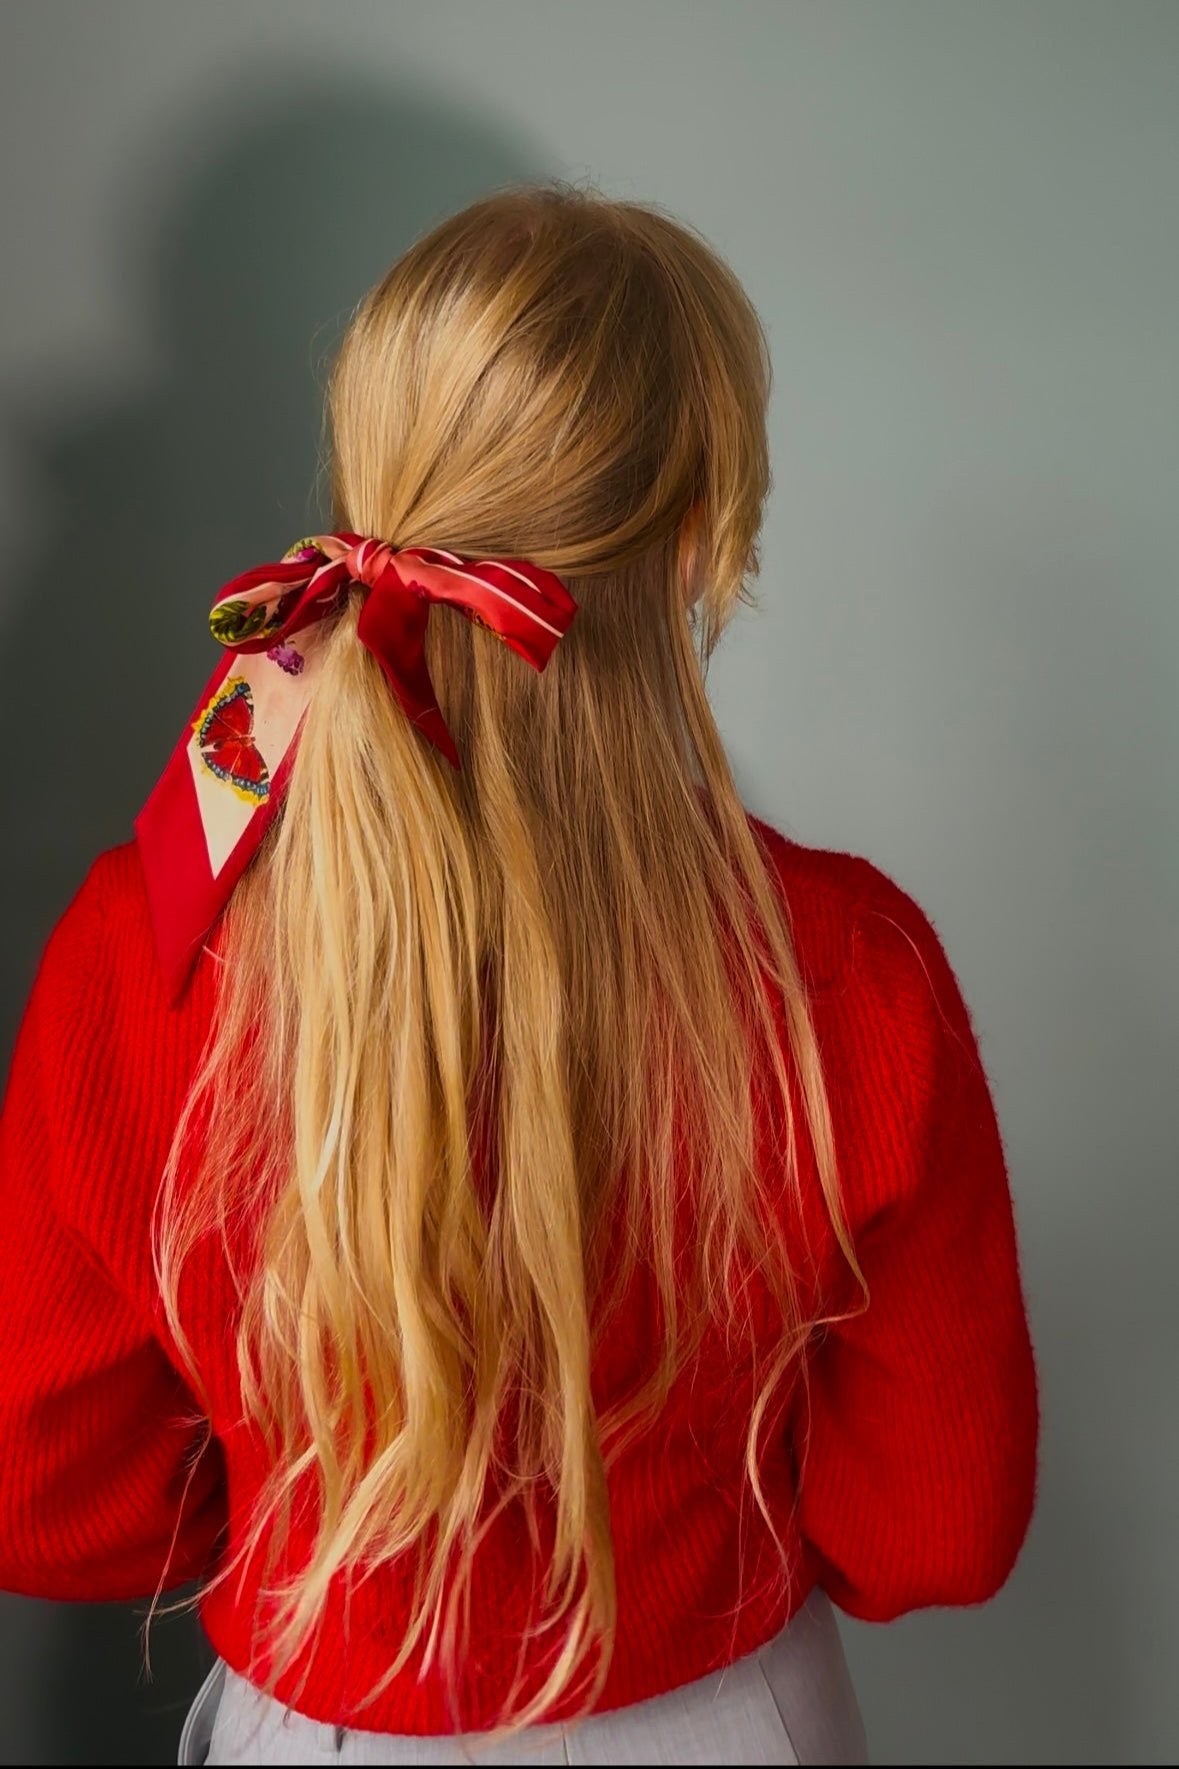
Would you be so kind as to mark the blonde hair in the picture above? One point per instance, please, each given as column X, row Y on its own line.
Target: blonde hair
column 503, row 1020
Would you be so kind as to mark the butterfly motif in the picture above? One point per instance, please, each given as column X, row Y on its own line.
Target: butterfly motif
column 225, row 738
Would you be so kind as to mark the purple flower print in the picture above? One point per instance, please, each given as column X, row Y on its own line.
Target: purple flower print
column 287, row 658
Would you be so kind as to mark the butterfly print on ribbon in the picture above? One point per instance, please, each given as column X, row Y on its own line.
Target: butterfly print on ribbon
column 225, row 738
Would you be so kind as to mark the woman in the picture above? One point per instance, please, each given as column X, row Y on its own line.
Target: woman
column 523, row 1234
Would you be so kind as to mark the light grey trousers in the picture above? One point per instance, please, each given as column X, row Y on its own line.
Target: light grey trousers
column 790, row 1702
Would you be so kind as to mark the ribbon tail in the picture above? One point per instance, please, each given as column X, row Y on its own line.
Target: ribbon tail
column 211, row 808
column 392, row 626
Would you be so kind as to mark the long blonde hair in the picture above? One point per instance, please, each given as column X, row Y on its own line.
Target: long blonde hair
column 496, row 1013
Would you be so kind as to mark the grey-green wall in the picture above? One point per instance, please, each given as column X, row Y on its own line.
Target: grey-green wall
column 959, row 222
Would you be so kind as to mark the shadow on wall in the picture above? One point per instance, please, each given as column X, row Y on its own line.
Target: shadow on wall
column 255, row 267
column 308, row 196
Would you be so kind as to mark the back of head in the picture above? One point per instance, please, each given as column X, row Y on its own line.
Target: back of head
column 506, row 1009
column 561, row 377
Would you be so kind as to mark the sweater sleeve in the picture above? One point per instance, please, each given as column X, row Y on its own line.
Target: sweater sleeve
column 103, row 1491
column 918, row 1426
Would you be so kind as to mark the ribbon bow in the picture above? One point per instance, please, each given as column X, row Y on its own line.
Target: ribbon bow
column 215, row 800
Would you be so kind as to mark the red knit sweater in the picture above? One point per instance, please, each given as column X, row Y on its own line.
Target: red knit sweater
column 916, row 1433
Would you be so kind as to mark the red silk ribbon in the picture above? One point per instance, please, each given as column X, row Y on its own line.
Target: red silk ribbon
column 211, row 808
